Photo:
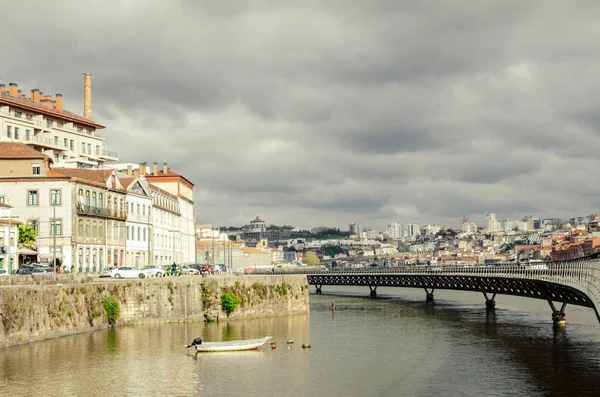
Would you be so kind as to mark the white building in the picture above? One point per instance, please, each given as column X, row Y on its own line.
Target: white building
column 139, row 222
column 491, row 223
column 395, row 230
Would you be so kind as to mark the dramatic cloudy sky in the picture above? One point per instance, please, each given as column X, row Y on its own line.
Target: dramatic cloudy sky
column 325, row 112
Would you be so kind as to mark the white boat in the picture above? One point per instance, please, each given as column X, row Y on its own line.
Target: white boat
column 235, row 345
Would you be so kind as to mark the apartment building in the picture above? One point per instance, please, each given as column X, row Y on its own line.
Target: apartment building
column 40, row 121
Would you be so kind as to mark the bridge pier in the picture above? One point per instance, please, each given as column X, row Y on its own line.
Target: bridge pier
column 490, row 303
column 373, row 290
column 559, row 318
column 429, row 296
column 318, row 287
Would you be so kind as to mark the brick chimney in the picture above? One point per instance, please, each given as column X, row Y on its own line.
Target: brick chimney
column 13, row 88
column 59, row 102
column 87, row 96
column 129, row 170
column 142, row 169
column 2, row 88
column 155, row 169
column 165, row 168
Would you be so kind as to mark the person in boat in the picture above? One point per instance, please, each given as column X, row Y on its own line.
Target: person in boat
column 195, row 342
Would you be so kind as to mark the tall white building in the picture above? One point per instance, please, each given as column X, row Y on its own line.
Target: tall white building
column 491, row 223
column 396, row 230
column 139, row 221
column 355, row 228
column 40, row 121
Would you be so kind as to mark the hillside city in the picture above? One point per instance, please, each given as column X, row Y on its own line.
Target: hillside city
column 66, row 200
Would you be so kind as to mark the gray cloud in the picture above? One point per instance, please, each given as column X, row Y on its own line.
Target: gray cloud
column 315, row 113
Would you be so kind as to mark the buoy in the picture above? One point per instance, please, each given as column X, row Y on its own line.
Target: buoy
column 305, row 346
column 273, row 345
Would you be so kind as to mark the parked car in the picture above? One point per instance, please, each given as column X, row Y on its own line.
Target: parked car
column 3, row 272
column 200, row 268
column 42, row 269
column 107, row 272
column 189, row 270
column 154, row 271
column 24, row 270
column 214, row 269
column 127, row 272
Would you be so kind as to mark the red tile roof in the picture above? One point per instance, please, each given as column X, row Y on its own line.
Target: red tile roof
column 29, row 104
column 19, row 150
column 93, row 175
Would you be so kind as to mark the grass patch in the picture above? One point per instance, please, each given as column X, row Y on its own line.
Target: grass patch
column 113, row 309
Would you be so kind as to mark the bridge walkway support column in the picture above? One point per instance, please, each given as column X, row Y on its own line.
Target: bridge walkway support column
column 318, row 287
column 429, row 295
column 559, row 318
column 373, row 290
column 490, row 303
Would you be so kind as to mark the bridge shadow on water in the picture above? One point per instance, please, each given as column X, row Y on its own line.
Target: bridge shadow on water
column 560, row 361
column 561, row 364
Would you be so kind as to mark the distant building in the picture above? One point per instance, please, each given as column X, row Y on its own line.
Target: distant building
column 257, row 230
column 355, row 228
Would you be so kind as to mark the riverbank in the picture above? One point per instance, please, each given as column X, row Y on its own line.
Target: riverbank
column 55, row 306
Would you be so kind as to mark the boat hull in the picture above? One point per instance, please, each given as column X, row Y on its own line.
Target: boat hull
column 236, row 345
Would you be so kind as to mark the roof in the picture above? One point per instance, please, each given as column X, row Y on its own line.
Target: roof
column 29, row 104
column 88, row 174
column 125, row 182
column 19, row 150
column 4, row 205
column 154, row 187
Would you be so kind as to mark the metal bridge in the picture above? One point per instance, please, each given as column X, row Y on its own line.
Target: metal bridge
column 574, row 282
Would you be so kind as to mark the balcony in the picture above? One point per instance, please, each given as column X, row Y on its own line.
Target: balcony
column 83, row 209
column 105, row 154
column 44, row 142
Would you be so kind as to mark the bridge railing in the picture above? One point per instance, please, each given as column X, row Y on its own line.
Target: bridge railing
column 576, row 270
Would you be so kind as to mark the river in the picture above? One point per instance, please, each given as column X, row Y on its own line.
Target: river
column 395, row 345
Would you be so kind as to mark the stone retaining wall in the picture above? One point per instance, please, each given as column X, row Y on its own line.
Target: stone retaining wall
column 59, row 305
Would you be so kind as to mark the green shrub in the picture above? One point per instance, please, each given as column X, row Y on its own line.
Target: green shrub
column 229, row 302
column 113, row 309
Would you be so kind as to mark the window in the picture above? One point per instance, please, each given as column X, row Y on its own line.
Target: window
column 138, row 234
column 55, row 158
column 79, row 129
column 66, row 142
column 82, row 147
column 36, row 169
column 72, row 145
column 87, row 198
column 34, row 223
column 138, row 209
column 101, row 229
column 2, row 199
column 97, row 150
column 59, row 124
column 56, row 227
column 128, row 233
column 100, row 204
column 94, row 199
column 95, row 229
column 89, row 148
column 49, row 123
column 27, row 135
column 16, row 132
column 55, row 197
column 89, row 132
column 56, row 140
column 87, row 228
column 18, row 115
column 80, row 227
column 29, row 117
column 32, row 197
column 9, row 131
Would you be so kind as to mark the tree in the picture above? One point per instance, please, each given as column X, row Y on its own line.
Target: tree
column 311, row 259
column 27, row 237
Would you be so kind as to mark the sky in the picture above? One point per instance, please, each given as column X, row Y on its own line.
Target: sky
column 322, row 113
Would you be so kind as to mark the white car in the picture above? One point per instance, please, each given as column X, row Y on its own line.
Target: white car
column 154, row 271
column 127, row 272
column 189, row 270
column 3, row 272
